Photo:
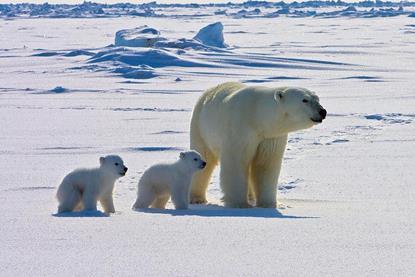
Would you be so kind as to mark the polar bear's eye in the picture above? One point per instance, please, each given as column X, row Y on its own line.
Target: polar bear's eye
column 116, row 164
column 195, row 159
column 305, row 101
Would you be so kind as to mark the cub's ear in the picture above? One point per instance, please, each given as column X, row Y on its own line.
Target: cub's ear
column 101, row 160
column 277, row 96
column 182, row 155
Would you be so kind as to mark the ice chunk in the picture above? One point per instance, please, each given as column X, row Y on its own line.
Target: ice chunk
column 143, row 36
column 212, row 35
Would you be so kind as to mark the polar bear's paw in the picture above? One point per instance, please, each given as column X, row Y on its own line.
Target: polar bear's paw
column 198, row 200
column 267, row 205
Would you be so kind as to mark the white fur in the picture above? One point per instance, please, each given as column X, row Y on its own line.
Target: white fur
column 162, row 180
column 82, row 188
column 246, row 128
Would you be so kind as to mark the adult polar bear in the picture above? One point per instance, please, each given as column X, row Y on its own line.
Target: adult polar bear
column 245, row 128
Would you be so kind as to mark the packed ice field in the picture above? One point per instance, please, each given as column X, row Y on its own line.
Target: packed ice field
column 82, row 81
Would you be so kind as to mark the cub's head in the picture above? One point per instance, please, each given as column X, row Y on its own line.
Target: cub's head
column 300, row 108
column 193, row 160
column 113, row 165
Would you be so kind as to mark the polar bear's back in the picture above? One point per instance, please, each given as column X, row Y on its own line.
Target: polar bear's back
column 220, row 92
column 226, row 108
column 159, row 175
column 213, row 106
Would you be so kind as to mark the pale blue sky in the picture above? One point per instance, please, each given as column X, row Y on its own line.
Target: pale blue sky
column 158, row 1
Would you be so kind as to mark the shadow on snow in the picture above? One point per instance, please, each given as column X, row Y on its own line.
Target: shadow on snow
column 81, row 214
column 220, row 211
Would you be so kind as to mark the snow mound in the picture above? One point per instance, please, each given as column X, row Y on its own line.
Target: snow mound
column 184, row 43
column 136, row 72
column 154, row 58
column 212, row 35
column 76, row 53
column 143, row 36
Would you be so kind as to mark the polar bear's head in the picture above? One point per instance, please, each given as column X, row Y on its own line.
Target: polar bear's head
column 300, row 108
column 113, row 165
column 192, row 160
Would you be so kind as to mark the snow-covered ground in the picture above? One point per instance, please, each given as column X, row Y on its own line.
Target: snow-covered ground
column 68, row 95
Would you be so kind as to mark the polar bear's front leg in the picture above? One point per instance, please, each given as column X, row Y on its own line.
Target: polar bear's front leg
column 107, row 204
column 234, row 174
column 266, row 169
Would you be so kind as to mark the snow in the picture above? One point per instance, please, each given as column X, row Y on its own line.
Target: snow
column 346, row 190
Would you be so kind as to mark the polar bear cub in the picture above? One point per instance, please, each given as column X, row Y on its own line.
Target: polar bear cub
column 161, row 181
column 83, row 188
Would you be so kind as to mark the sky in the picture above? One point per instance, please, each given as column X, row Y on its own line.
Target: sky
column 146, row 1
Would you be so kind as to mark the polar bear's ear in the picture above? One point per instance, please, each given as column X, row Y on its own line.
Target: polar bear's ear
column 182, row 155
column 101, row 160
column 277, row 96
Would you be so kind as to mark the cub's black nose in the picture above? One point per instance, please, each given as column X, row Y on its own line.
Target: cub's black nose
column 204, row 164
column 323, row 113
column 125, row 168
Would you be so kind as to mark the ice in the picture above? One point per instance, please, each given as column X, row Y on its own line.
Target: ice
column 249, row 9
column 212, row 35
column 143, row 36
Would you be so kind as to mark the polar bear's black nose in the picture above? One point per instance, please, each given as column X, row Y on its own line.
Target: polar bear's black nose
column 125, row 168
column 204, row 163
column 323, row 113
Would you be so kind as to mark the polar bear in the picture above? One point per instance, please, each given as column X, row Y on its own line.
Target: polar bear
column 82, row 188
column 245, row 129
column 162, row 180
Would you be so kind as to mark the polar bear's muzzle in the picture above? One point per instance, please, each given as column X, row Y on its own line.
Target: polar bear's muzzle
column 202, row 165
column 122, row 173
column 322, row 113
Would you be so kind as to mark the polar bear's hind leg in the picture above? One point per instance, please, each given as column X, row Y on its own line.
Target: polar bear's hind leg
column 145, row 195
column 201, row 179
column 160, row 201
column 69, row 201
